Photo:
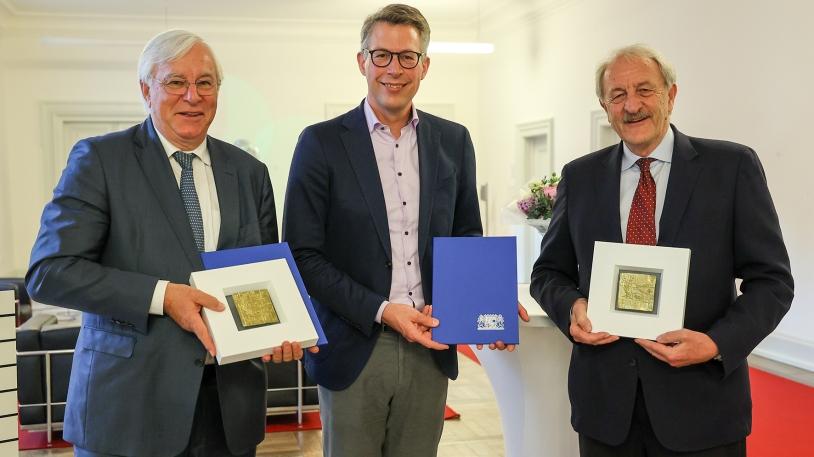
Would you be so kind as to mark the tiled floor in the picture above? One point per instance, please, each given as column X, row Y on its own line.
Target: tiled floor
column 477, row 433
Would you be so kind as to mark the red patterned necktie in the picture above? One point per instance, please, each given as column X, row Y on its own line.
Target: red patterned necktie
column 641, row 223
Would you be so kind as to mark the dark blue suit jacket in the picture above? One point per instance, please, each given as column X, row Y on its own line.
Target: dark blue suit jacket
column 336, row 223
column 718, row 205
column 115, row 226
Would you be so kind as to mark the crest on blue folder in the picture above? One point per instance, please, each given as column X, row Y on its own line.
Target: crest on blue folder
column 474, row 290
column 254, row 254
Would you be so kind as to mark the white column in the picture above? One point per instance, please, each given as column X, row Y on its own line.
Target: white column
column 531, row 388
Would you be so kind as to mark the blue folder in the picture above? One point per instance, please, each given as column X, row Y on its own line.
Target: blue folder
column 474, row 290
column 254, row 254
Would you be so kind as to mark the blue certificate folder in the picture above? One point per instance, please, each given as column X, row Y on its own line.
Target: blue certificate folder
column 474, row 290
column 254, row 254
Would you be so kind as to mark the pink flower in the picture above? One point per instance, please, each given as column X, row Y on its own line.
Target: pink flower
column 550, row 192
column 525, row 204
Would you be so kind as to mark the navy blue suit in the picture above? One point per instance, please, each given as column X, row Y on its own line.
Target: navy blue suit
column 336, row 223
column 718, row 205
column 115, row 226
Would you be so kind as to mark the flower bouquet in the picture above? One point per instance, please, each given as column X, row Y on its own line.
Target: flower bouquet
column 535, row 207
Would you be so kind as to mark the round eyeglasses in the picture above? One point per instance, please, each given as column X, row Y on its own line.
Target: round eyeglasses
column 178, row 86
column 383, row 57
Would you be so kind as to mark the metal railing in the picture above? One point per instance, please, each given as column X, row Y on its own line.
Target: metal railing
column 51, row 426
column 49, row 403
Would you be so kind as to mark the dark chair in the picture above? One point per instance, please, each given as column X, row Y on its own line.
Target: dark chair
column 22, row 302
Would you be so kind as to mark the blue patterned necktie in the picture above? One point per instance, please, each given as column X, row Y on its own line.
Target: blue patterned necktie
column 190, row 197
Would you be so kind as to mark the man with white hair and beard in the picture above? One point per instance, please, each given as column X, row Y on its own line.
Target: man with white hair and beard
column 687, row 392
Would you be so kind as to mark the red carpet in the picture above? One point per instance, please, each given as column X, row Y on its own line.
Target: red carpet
column 782, row 417
column 38, row 440
column 279, row 423
column 782, row 414
column 468, row 353
column 288, row 422
column 450, row 414
column 311, row 421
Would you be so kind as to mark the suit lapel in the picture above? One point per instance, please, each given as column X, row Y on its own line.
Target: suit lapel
column 228, row 195
column 156, row 167
column 429, row 140
column 607, row 193
column 684, row 171
column 359, row 149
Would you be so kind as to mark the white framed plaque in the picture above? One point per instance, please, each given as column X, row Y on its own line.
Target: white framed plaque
column 263, row 308
column 638, row 291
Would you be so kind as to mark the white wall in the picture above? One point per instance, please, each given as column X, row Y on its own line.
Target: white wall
column 744, row 73
column 278, row 79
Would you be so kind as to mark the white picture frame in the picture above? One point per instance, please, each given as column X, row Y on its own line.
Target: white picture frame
column 615, row 262
column 234, row 343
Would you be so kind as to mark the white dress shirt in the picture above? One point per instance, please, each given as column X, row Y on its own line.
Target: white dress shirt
column 207, row 198
column 397, row 161
column 629, row 179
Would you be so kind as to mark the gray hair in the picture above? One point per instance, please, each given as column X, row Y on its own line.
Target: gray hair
column 635, row 51
column 167, row 47
column 397, row 13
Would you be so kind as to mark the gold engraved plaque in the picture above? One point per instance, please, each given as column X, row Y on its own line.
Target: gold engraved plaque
column 253, row 308
column 637, row 291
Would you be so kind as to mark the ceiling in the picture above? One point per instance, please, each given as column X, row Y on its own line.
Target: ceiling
column 448, row 11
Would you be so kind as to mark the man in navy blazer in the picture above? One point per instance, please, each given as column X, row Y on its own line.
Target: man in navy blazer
column 117, row 243
column 367, row 193
column 687, row 393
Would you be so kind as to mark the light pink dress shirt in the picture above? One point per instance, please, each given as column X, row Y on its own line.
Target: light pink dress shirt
column 397, row 160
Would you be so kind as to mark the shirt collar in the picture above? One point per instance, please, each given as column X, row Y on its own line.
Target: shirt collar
column 201, row 150
column 373, row 121
column 663, row 152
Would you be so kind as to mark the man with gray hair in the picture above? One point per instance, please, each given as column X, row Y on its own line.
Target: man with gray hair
column 118, row 241
column 687, row 392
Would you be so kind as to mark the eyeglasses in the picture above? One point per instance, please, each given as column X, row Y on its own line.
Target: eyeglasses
column 383, row 57
column 621, row 96
column 178, row 86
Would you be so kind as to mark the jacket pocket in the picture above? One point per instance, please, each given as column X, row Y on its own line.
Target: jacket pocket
column 108, row 342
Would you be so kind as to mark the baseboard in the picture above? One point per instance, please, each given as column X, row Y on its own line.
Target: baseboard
column 787, row 349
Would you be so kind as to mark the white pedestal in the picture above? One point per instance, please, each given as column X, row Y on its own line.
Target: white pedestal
column 531, row 387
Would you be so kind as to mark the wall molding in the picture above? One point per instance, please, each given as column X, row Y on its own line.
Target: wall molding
column 528, row 239
column 787, row 349
column 54, row 115
column 5, row 14
column 532, row 129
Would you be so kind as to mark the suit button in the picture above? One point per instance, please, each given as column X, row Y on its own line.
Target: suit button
column 199, row 362
column 389, row 264
column 632, row 363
